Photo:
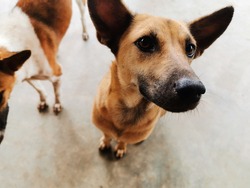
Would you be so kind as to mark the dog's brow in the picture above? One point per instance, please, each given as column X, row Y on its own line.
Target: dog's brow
column 150, row 32
column 189, row 40
column 153, row 33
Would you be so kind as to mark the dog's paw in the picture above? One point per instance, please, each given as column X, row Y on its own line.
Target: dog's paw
column 57, row 108
column 120, row 149
column 42, row 107
column 85, row 36
column 104, row 146
column 120, row 153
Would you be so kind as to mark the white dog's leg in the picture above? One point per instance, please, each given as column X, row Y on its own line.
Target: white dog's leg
column 36, row 84
column 82, row 5
column 56, row 81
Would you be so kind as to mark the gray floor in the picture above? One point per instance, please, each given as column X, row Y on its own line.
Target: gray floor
column 206, row 148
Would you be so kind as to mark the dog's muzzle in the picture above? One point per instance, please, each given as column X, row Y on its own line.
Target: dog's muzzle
column 174, row 95
column 3, row 121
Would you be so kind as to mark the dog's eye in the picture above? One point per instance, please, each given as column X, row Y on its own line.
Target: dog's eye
column 146, row 44
column 190, row 50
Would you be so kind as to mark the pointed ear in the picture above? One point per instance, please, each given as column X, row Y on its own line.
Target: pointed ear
column 207, row 29
column 111, row 19
column 11, row 64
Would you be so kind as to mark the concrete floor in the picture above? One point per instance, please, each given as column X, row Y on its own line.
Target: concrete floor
column 206, row 148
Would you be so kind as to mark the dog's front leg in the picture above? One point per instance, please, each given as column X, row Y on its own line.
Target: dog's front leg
column 120, row 149
column 56, row 86
column 42, row 106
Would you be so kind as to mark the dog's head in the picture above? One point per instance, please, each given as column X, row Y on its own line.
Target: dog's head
column 10, row 62
column 155, row 53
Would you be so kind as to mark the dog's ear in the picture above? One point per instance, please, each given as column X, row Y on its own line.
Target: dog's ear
column 111, row 19
column 207, row 29
column 14, row 62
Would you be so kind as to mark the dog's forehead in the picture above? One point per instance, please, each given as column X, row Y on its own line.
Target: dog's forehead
column 144, row 24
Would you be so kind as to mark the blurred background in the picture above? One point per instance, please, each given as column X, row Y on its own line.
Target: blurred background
column 205, row 148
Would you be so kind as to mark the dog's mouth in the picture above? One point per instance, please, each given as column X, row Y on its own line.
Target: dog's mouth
column 174, row 95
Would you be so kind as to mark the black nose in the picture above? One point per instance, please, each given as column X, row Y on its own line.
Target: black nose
column 188, row 89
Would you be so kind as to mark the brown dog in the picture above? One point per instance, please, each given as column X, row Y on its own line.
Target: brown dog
column 152, row 70
column 36, row 26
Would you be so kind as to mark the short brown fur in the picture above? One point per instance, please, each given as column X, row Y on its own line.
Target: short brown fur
column 151, row 73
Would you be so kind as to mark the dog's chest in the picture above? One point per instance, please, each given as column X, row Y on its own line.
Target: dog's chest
column 131, row 115
column 141, row 116
column 132, row 124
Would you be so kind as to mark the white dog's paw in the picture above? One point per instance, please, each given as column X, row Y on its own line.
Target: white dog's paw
column 85, row 36
column 42, row 106
column 57, row 108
